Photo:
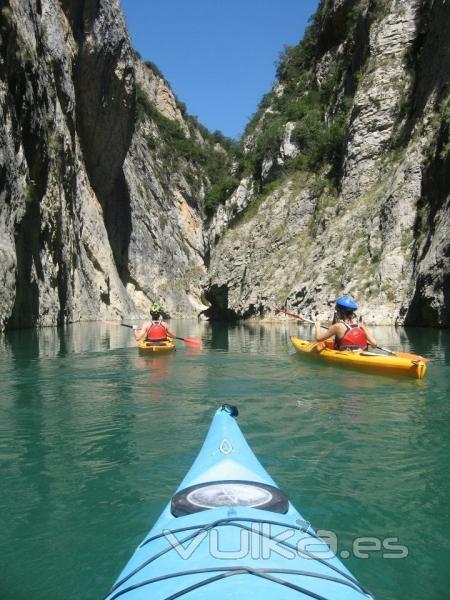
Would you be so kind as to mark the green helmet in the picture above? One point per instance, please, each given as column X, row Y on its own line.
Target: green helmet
column 155, row 311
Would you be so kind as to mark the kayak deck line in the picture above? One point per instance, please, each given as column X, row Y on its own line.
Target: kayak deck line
column 241, row 570
column 226, row 520
column 234, row 522
column 222, row 498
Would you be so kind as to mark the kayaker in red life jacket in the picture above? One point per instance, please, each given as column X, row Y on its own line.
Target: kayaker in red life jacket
column 155, row 330
column 348, row 335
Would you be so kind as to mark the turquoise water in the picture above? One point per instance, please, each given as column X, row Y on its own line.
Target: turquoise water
column 94, row 439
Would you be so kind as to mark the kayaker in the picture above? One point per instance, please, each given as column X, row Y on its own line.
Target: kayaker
column 155, row 330
column 348, row 334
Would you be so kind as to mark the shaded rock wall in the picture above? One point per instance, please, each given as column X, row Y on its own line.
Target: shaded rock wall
column 90, row 224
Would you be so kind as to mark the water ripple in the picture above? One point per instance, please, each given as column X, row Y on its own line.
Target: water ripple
column 94, row 439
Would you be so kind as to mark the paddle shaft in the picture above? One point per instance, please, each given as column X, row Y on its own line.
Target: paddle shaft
column 301, row 317
column 189, row 341
column 386, row 350
column 131, row 327
column 403, row 354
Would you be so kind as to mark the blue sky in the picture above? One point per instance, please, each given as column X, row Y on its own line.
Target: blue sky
column 218, row 55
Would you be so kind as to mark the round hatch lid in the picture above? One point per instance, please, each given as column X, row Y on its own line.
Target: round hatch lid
column 216, row 494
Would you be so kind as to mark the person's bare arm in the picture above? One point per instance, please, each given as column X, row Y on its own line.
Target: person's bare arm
column 322, row 333
column 169, row 333
column 372, row 341
column 139, row 334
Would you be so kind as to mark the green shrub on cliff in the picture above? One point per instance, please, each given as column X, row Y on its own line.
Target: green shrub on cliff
column 219, row 192
column 173, row 146
column 151, row 65
column 293, row 60
column 267, row 142
column 317, row 101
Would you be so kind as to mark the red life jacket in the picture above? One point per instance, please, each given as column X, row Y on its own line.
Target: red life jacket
column 156, row 332
column 354, row 337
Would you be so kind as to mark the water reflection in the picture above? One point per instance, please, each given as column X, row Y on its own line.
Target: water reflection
column 94, row 438
column 219, row 336
column 249, row 337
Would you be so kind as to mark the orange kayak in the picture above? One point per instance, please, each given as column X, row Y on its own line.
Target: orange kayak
column 372, row 361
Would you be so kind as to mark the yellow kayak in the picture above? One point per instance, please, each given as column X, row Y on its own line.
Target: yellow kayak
column 159, row 347
column 382, row 363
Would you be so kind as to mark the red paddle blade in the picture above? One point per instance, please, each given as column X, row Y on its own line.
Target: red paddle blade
column 193, row 342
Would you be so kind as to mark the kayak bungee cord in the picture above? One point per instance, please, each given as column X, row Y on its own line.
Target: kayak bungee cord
column 233, row 522
column 227, row 520
column 241, row 570
column 305, row 553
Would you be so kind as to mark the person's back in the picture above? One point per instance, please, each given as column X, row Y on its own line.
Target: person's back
column 348, row 334
column 155, row 330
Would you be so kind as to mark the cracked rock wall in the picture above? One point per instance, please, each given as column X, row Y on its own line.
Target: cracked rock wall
column 381, row 232
column 91, row 226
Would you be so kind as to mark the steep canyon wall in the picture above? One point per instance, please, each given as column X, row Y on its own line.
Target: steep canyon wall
column 94, row 221
column 349, row 185
column 342, row 183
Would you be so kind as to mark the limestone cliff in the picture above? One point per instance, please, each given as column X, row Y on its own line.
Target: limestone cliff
column 345, row 176
column 112, row 197
column 102, row 173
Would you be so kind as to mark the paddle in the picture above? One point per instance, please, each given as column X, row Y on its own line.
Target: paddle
column 188, row 341
column 403, row 354
column 296, row 316
column 391, row 352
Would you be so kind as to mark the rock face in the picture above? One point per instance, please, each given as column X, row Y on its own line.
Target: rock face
column 165, row 250
column 343, row 185
column 92, row 224
column 373, row 218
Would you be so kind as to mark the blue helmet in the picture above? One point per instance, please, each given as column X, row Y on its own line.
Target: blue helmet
column 346, row 302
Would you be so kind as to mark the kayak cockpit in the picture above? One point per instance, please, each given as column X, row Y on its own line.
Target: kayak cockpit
column 232, row 493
